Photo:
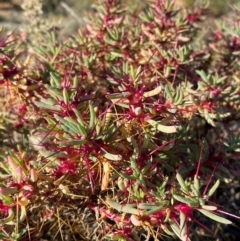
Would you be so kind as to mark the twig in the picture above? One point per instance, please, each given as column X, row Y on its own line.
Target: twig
column 148, row 235
column 71, row 12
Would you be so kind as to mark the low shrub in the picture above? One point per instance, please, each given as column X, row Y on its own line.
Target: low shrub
column 117, row 133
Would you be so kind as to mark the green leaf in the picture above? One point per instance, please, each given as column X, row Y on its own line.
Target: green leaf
column 125, row 176
column 75, row 82
column 177, row 231
column 196, row 183
column 79, row 117
column 190, row 202
column 65, row 96
column 122, row 208
column 168, row 93
column 213, row 189
column 182, row 183
column 209, row 208
column 23, row 214
column 183, row 224
column 72, row 125
column 54, row 92
column 146, row 168
column 146, row 206
column 118, row 95
column 68, row 124
column 163, row 128
column 9, row 218
column 175, row 228
column 179, row 96
column 110, row 134
column 47, row 106
column 77, row 127
column 214, row 216
column 195, row 191
column 3, row 236
column 166, row 230
column 55, row 79
column 73, row 143
column 153, row 210
column 153, row 92
column 118, row 102
column 112, row 157
column 107, row 120
column 92, row 117
column 16, row 159
column 5, row 167
column 203, row 75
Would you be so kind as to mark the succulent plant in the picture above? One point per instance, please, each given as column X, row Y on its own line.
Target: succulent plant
column 118, row 102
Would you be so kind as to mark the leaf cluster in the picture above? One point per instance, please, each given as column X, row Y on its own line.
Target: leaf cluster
column 117, row 100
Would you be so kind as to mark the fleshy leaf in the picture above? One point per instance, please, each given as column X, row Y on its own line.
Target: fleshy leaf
column 182, row 183
column 112, row 157
column 122, row 208
column 213, row 189
column 214, row 216
column 163, row 128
